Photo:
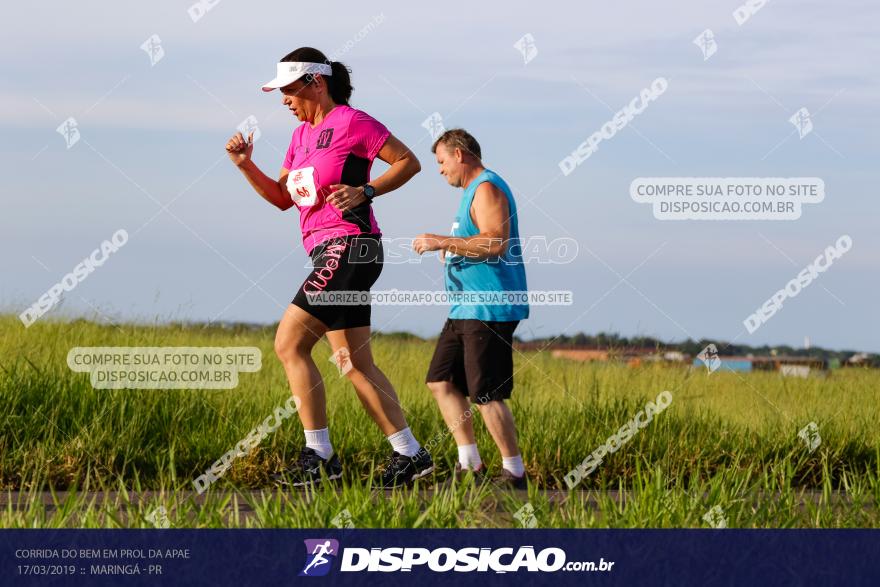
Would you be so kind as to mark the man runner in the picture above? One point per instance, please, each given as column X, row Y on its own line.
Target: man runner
column 473, row 361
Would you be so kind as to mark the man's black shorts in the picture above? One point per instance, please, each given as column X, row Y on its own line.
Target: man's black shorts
column 351, row 263
column 477, row 357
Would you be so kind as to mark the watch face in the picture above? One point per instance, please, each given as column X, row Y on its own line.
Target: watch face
column 369, row 191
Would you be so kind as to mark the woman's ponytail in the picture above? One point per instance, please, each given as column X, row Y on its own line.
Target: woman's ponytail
column 339, row 84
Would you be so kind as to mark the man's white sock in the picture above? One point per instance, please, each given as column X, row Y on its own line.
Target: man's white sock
column 469, row 457
column 319, row 441
column 404, row 442
column 514, row 465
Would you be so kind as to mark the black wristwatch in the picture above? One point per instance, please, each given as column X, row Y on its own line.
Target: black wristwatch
column 369, row 192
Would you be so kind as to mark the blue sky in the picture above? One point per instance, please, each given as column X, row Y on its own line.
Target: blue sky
column 154, row 135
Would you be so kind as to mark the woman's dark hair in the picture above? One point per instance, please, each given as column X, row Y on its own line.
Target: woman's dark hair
column 338, row 84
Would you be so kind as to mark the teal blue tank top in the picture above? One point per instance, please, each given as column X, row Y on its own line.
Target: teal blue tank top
column 502, row 274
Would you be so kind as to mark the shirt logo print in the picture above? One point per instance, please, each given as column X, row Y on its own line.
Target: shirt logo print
column 324, row 138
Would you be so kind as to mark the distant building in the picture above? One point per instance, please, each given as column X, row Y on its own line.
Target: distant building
column 858, row 360
column 631, row 356
column 737, row 364
column 582, row 354
column 788, row 366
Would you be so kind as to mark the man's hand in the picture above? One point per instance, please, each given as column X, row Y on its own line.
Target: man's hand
column 345, row 197
column 426, row 242
column 239, row 150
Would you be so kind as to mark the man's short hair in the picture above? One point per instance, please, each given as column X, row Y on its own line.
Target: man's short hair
column 458, row 138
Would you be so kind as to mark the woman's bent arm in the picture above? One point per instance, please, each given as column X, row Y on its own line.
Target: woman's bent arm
column 274, row 192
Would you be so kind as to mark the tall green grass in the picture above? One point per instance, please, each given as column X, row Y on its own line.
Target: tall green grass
column 727, row 439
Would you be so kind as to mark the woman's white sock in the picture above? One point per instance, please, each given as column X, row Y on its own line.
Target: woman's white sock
column 404, row 442
column 319, row 441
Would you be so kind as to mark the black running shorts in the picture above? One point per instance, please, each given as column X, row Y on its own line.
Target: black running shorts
column 477, row 357
column 351, row 263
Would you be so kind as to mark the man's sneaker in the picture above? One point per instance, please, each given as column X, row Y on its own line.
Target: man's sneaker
column 400, row 470
column 459, row 475
column 307, row 469
column 508, row 480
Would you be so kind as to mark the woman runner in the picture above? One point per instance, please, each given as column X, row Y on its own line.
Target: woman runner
column 326, row 175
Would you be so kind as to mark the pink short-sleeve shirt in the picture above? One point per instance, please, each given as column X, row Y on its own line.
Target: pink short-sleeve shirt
column 339, row 150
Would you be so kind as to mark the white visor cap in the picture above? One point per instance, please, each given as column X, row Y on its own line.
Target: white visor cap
column 290, row 71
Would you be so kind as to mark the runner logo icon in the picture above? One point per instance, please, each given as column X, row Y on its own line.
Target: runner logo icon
column 320, row 554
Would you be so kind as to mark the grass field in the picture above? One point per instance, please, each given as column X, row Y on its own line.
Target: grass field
column 726, row 440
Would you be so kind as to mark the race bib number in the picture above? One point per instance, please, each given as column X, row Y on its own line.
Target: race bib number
column 301, row 185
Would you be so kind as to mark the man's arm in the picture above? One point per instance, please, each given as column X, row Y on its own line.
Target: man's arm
column 491, row 214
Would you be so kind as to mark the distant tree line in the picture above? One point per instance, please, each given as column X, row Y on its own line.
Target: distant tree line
column 605, row 340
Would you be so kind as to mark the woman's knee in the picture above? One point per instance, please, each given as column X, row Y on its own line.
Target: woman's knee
column 358, row 368
column 292, row 347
